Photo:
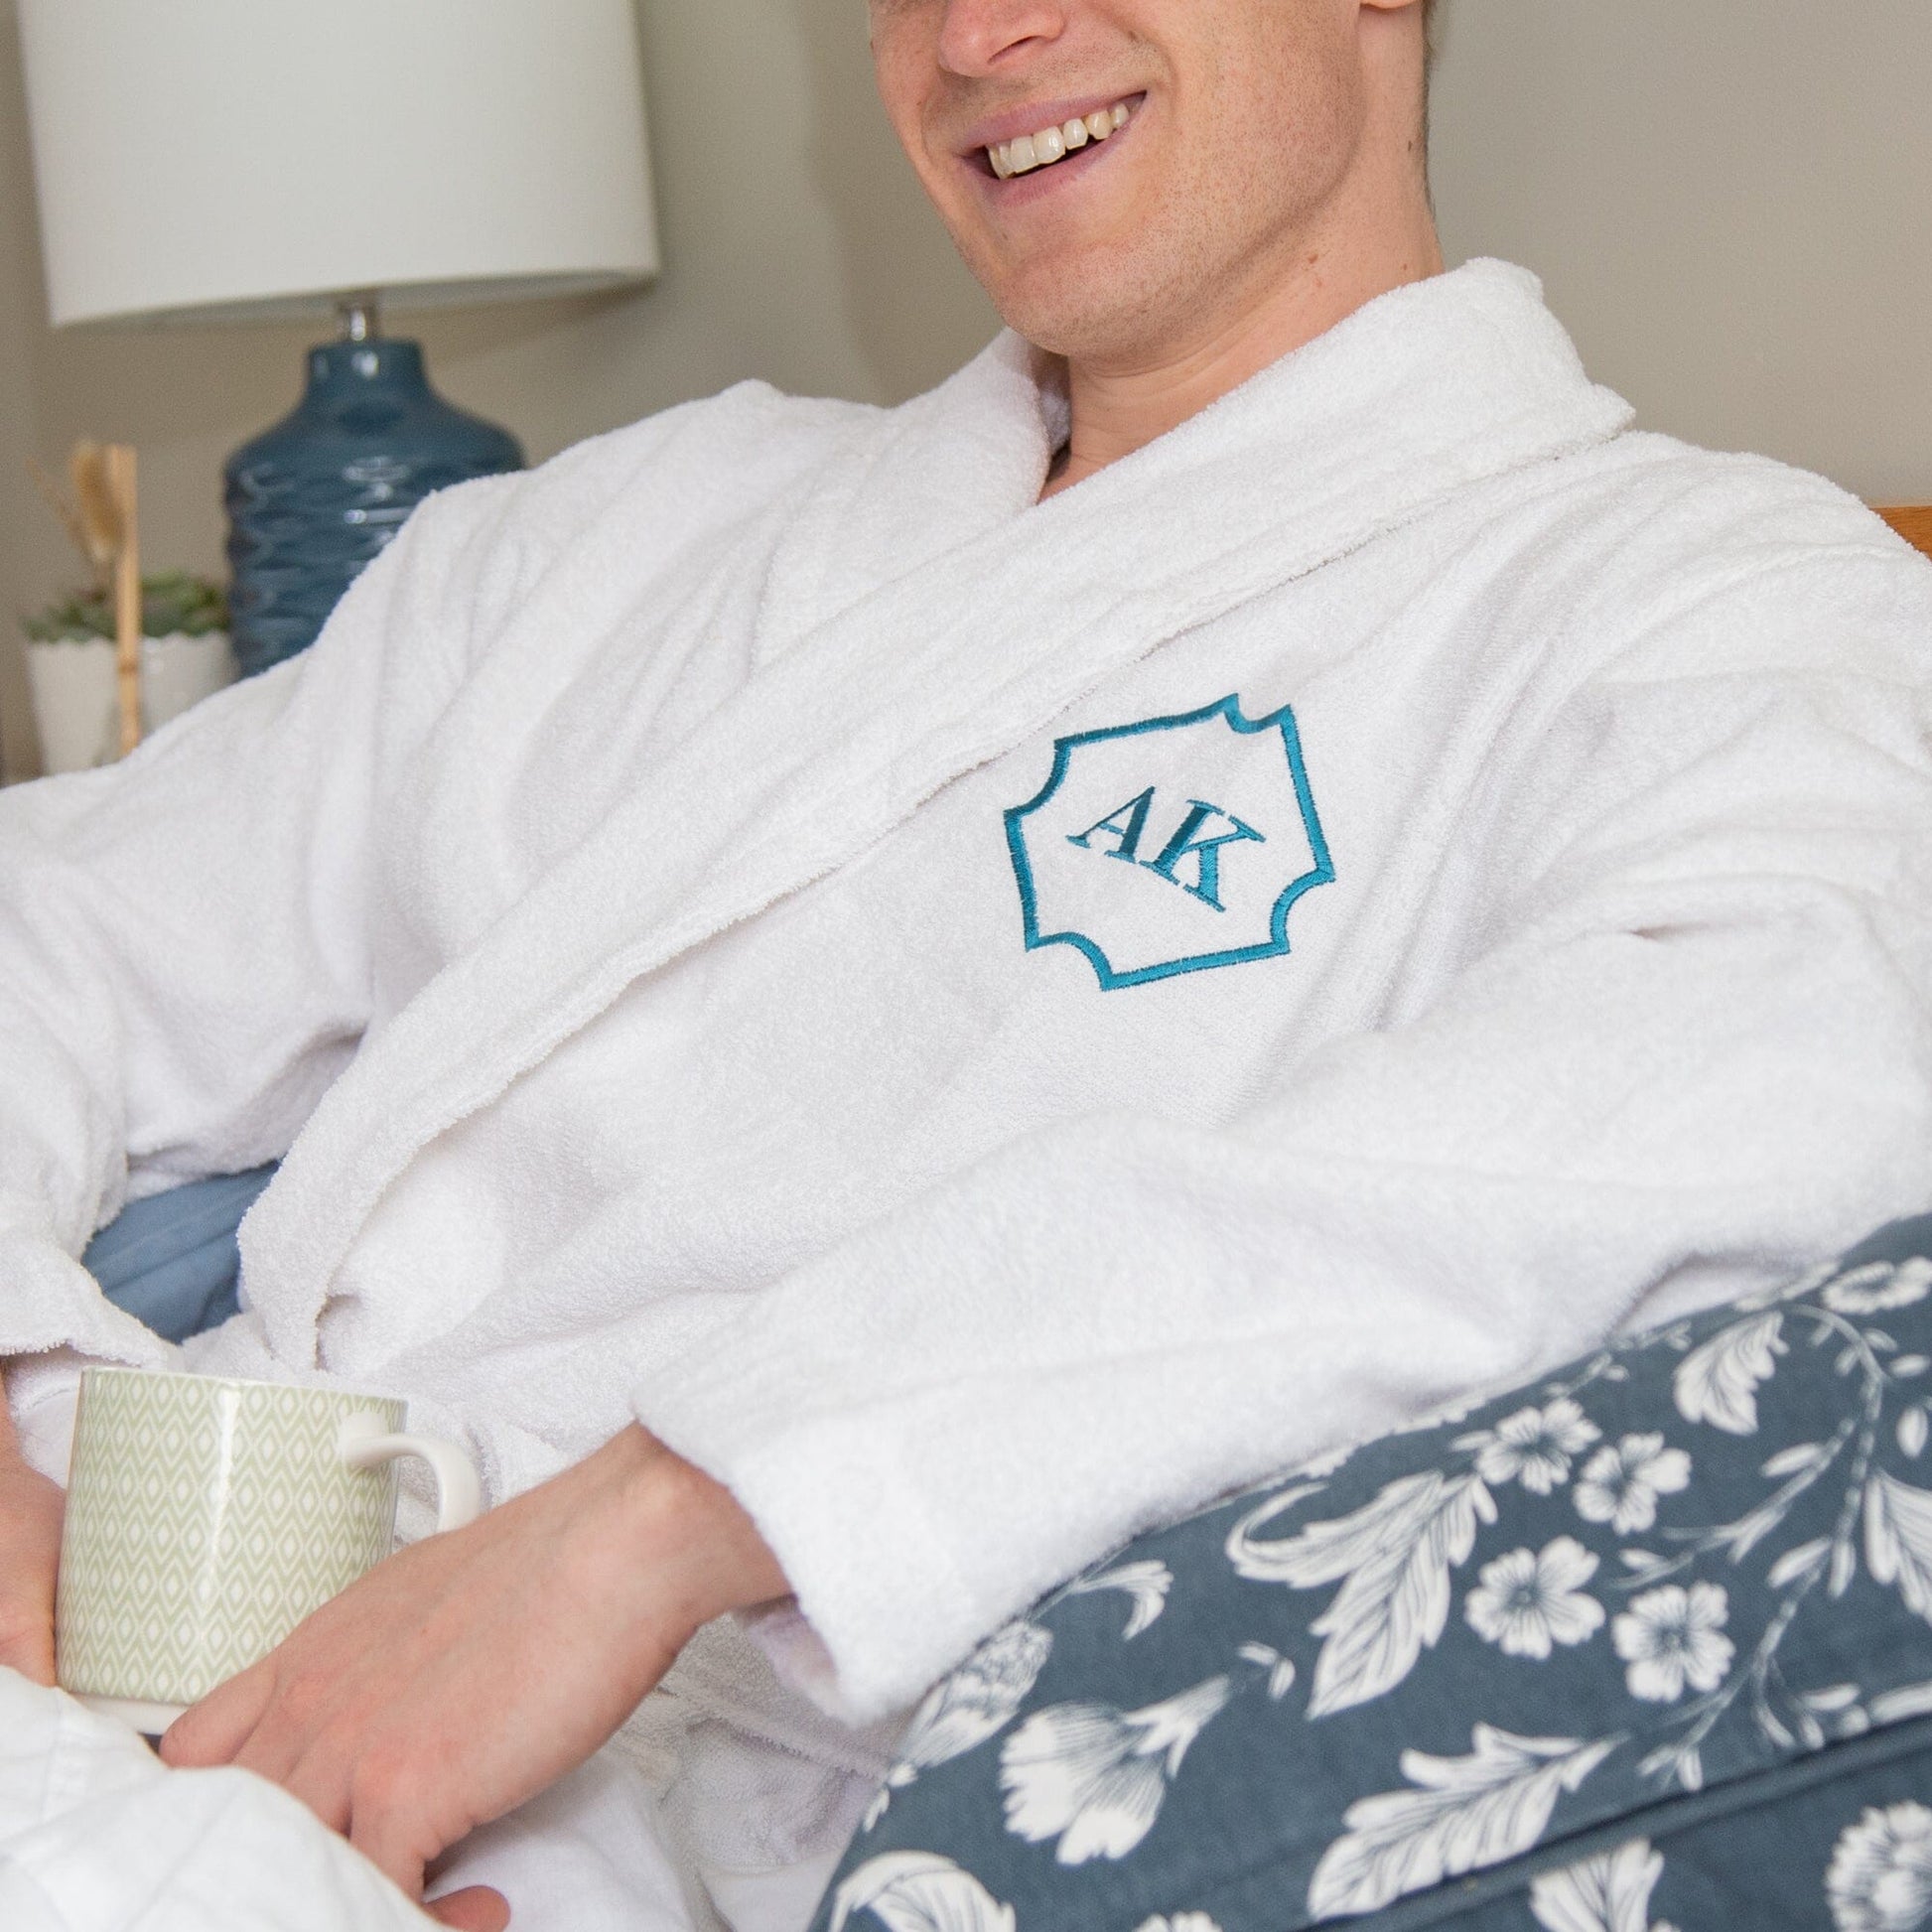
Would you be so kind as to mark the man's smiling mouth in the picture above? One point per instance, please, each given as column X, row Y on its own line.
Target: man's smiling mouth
column 1028, row 152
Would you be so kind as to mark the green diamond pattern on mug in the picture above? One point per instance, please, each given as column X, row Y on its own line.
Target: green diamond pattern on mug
column 206, row 1519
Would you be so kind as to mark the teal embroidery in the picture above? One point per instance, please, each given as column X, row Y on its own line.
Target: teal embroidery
column 1207, row 833
column 1134, row 811
column 1208, row 852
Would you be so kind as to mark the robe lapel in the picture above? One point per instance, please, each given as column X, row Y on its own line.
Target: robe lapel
column 927, row 479
column 852, row 722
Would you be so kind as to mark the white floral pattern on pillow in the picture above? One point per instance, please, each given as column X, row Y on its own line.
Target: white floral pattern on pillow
column 1702, row 1556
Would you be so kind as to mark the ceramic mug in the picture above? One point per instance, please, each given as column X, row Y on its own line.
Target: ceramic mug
column 206, row 1518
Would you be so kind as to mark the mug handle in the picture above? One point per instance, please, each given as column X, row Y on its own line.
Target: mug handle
column 362, row 1445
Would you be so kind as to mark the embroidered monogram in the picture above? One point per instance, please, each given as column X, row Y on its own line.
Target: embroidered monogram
column 1173, row 844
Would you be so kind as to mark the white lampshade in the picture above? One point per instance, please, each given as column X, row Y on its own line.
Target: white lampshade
column 259, row 157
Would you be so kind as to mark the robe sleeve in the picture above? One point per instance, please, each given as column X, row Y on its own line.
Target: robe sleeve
column 1688, row 1051
column 187, row 934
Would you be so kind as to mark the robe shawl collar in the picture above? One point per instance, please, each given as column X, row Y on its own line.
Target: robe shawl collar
column 1000, row 615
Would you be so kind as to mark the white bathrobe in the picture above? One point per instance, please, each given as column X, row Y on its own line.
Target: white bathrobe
column 986, row 1023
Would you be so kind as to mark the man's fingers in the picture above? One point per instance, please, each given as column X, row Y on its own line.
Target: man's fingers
column 475, row 1909
column 217, row 1728
column 385, row 1823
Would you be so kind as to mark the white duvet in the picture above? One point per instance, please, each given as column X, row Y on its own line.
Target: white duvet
column 96, row 1836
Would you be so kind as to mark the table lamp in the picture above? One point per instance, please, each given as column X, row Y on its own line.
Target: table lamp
column 215, row 160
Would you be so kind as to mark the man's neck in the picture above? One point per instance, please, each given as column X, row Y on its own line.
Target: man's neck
column 1118, row 407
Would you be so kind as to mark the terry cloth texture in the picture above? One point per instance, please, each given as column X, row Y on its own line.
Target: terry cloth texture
column 988, row 1023
column 1645, row 1640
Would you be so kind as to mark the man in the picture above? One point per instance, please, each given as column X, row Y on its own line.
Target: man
column 873, row 1002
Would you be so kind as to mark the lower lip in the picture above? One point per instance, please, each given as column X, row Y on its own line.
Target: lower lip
column 1019, row 190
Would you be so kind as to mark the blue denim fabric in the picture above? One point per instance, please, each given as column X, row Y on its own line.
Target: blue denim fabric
column 170, row 1260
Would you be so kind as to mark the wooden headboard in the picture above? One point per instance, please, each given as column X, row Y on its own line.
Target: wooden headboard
column 1913, row 523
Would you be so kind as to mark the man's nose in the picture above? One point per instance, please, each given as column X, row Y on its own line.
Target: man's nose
column 981, row 38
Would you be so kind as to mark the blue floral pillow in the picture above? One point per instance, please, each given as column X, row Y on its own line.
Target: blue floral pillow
column 1644, row 1648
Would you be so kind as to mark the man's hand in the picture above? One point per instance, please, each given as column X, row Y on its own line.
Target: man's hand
column 468, row 1671
column 30, row 1509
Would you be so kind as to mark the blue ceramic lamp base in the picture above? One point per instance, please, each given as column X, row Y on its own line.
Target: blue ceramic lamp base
column 314, row 499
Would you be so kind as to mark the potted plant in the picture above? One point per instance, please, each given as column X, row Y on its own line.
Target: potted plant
column 70, row 665
column 72, row 661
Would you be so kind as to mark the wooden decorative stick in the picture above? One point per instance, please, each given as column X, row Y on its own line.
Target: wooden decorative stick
column 100, row 521
column 123, row 483
column 71, row 518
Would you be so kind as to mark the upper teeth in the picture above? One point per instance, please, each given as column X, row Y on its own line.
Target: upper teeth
column 1051, row 144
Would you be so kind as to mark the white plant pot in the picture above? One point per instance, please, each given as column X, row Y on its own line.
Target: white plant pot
column 77, row 698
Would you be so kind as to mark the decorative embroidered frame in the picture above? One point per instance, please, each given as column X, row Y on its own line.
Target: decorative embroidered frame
column 1229, row 710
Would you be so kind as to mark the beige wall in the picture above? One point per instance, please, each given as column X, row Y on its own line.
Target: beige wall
column 1728, row 203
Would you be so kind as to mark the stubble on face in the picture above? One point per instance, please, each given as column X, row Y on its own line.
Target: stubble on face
column 1246, row 119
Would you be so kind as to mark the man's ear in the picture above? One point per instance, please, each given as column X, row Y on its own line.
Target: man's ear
column 1391, row 6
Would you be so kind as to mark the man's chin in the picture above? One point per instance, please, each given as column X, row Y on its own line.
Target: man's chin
column 1110, row 324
